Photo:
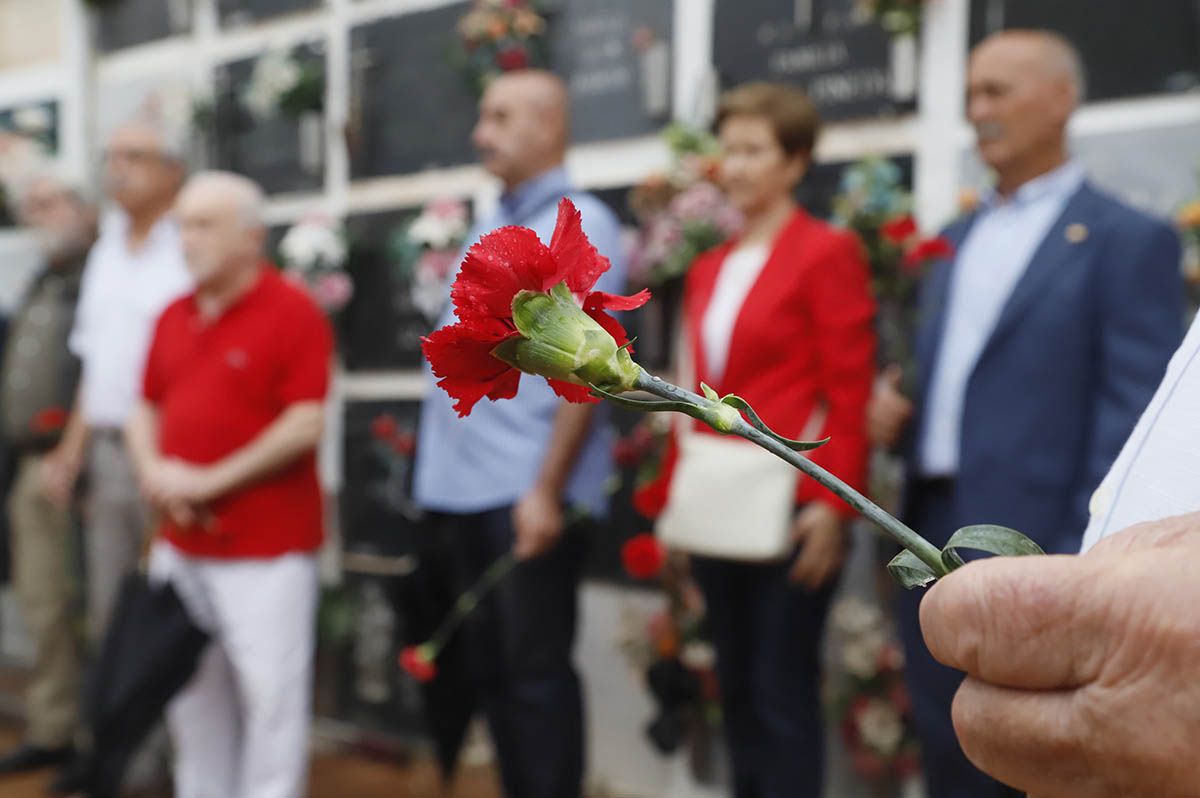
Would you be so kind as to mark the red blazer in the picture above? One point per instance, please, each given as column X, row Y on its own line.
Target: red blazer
column 805, row 336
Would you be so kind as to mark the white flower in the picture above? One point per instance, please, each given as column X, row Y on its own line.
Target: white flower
column 275, row 73
column 441, row 225
column 313, row 244
column 32, row 119
column 860, row 656
column 854, row 616
column 699, row 656
column 880, row 727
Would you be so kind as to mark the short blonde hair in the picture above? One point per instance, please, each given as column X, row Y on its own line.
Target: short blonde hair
column 792, row 116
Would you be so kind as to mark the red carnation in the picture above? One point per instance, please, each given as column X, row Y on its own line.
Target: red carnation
column 403, row 444
column 643, row 556
column 512, row 267
column 899, row 230
column 650, row 499
column 511, row 59
column 928, row 250
column 384, row 428
column 418, row 663
column 52, row 419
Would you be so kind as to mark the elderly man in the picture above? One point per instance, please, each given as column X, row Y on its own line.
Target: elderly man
column 1081, row 671
column 37, row 387
column 499, row 480
column 133, row 272
column 224, row 443
column 1042, row 341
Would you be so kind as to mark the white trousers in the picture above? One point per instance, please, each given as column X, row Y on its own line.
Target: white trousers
column 241, row 726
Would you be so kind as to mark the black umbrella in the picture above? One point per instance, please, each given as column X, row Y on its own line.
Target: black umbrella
column 150, row 651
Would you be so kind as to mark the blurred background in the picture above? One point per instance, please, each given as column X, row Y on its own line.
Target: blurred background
column 355, row 115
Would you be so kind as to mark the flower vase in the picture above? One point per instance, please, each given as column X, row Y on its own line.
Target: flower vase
column 655, row 67
column 311, row 125
column 904, row 67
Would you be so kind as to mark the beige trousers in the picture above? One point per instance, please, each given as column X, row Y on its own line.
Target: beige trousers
column 45, row 583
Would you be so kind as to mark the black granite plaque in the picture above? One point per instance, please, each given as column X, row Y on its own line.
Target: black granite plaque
column 377, row 512
column 37, row 121
column 1153, row 50
column 242, row 12
column 842, row 62
column 410, row 109
column 615, row 56
column 283, row 152
column 132, row 22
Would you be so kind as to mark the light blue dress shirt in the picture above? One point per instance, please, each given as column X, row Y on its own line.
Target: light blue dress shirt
column 996, row 253
column 493, row 456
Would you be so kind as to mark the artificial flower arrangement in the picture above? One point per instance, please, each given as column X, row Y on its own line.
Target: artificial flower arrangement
column 867, row 696
column 425, row 252
column 522, row 307
column 682, row 213
column 897, row 17
column 873, row 204
column 671, row 655
column 497, row 36
column 284, row 83
column 313, row 252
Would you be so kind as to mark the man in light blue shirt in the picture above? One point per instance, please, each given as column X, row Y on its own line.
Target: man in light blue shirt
column 1040, row 343
column 505, row 477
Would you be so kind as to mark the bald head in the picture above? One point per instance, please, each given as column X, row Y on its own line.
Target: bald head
column 1023, row 86
column 523, row 128
column 221, row 219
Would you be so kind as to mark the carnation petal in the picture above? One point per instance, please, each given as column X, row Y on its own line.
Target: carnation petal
column 461, row 356
column 599, row 300
column 578, row 394
column 578, row 261
column 503, row 263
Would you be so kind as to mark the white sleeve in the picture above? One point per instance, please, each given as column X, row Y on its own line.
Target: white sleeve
column 81, row 332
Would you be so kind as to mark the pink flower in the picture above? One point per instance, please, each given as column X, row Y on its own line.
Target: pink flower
column 333, row 291
column 436, row 264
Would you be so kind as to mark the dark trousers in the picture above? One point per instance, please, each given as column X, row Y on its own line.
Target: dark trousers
column 767, row 634
column 948, row 772
column 518, row 644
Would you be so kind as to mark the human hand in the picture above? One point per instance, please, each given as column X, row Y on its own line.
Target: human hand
column 889, row 410
column 1081, row 671
column 57, row 476
column 537, row 523
column 821, row 534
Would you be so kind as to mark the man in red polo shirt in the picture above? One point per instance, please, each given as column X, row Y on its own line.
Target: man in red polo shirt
column 224, row 444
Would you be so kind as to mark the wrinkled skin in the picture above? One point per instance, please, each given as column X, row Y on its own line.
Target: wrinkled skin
column 1082, row 672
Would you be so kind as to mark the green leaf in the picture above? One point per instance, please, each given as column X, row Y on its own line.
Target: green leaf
column 999, row 540
column 907, row 569
column 709, row 393
column 756, row 422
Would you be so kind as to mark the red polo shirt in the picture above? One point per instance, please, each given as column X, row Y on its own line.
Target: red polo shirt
column 217, row 385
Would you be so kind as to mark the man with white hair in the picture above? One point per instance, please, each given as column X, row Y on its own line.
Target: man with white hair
column 133, row 272
column 1041, row 341
column 38, row 381
column 224, row 442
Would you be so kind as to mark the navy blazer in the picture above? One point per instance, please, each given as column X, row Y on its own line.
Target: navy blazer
column 1074, row 359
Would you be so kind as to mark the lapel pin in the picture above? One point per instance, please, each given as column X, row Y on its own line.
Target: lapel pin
column 1077, row 233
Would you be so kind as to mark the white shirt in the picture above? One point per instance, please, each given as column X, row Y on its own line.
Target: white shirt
column 1157, row 474
column 738, row 274
column 993, row 258
column 121, row 297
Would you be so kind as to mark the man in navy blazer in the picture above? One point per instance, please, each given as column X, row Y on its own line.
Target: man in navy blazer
column 1041, row 341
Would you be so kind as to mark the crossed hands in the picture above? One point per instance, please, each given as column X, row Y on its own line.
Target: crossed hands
column 181, row 491
column 1083, row 673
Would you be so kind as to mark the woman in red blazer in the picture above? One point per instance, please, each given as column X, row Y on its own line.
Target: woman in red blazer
column 783, row 317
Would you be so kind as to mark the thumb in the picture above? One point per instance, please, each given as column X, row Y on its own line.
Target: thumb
column 893, row 376
column 1023, row 622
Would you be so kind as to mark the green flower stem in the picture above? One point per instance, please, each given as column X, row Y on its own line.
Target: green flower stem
column 710, row 412
column 467, row 603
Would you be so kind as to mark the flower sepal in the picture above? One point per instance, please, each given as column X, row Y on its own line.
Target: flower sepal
column 559, row 340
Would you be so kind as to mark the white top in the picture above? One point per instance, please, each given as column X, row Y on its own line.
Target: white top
column 992, row 260
column 121, row 297
column 1157, row 474
column 738, row 274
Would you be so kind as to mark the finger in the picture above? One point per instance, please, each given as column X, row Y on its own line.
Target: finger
column 1030, row 740
column 893, row 376
column 808, row 564
column 1025, row 622
column 1177, row 530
